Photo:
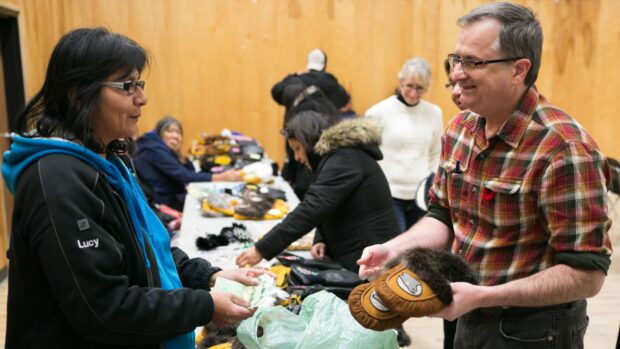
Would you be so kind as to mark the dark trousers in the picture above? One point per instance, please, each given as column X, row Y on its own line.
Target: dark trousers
column 449, row 331
column 558, row 326
column 407, row 213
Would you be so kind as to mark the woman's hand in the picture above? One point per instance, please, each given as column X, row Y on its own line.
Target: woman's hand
column 318, row 251
column 229, row 309
column 227, row 176
column 246, row 276
column 249, row 257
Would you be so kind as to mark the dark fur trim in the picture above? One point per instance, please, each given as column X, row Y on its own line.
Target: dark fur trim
column 437, row 269
column 218, row 335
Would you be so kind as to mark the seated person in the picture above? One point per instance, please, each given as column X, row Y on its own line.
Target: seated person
column 160, row 162
column 349, row 201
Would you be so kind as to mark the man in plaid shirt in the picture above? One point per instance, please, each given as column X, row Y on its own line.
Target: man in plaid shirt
column 520, row 194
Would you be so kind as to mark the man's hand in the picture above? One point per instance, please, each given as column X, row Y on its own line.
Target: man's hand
column 229, row 309
column 465, row 298
column 249, row 257
column 373, row 259
column 318, row 251
column 246, row 276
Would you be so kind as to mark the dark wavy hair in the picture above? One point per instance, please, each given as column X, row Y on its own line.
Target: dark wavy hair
column 82, row 59
column 307, row 127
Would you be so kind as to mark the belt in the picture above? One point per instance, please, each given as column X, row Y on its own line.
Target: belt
column 523, row 311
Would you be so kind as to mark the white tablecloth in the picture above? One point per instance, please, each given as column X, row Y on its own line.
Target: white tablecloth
column 195, row 225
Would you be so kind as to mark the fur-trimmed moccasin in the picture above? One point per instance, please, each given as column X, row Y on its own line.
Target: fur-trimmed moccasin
column 416, row 284
column 370, row 311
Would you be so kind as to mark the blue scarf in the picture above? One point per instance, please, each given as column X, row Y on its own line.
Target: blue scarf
column 147, row 226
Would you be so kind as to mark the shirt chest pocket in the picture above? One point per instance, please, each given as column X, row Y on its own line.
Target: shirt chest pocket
column 501, row 202
column 459, row 188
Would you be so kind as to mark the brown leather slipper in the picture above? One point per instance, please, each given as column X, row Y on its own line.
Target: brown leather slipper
column 406, row 293
column 369, row 310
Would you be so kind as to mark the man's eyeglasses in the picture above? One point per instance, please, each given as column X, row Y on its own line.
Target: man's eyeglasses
column 470, row 64
column 129, row 86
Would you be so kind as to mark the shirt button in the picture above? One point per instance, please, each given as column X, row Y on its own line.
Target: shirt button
column 460, row 251
column 474, row 189
column 471, row 221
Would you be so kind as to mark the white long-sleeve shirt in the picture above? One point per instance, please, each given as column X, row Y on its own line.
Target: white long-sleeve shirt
column 411, row 143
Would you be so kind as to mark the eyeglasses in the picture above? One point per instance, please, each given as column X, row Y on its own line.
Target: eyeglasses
column 470, row 64
column 129, row 86
column 410, row 87
column 449, row 86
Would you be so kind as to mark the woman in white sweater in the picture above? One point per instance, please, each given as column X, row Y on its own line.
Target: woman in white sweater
column 411, row 138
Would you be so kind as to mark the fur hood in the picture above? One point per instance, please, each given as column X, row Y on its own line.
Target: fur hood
column 357, row 132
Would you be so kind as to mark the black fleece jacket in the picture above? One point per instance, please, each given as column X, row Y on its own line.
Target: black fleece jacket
column 77, row 277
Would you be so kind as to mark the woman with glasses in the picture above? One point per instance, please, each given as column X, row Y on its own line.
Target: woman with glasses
column 90, row 264
column 162, row 165
column 411, row 138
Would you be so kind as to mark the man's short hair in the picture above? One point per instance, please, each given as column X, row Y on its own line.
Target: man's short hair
column 520, row 34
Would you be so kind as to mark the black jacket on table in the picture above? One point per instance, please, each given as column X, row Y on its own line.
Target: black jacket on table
column 72, row 287
column 349, row 200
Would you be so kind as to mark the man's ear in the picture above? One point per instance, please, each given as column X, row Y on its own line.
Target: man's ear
column 521, row 68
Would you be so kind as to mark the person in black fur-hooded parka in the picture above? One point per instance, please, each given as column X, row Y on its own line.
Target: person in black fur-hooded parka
column 349, row 201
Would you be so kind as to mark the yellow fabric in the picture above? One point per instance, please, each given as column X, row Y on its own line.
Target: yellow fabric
column 281, row 272
column 222, row 160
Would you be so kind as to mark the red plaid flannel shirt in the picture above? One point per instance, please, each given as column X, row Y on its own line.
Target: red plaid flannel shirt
column 535, row 189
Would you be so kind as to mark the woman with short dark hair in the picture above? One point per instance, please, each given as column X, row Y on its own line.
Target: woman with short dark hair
column 90, row 264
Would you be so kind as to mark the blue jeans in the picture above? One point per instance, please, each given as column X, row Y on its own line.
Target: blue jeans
column 407, row 213
column 557, row 326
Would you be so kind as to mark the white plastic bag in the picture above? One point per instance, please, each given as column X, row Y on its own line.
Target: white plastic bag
column 323, row 323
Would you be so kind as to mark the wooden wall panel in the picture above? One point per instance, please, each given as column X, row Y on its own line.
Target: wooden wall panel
column 216, row 60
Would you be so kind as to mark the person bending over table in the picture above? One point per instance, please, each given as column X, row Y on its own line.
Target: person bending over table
column 349, row 201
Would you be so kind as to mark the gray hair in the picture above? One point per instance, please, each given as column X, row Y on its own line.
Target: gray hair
column 520, row 33
column 418, row 68
column 164, row 123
